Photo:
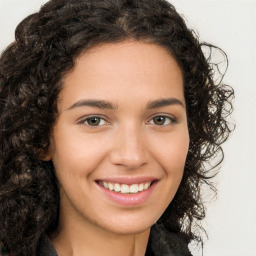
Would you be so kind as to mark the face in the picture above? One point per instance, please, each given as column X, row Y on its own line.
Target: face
column 120, row 142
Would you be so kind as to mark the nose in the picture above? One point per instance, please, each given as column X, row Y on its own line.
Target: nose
column 129, row 149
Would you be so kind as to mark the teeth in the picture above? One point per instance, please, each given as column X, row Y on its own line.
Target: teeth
column 134, row 188
column 117, row 187
column 124, row 188
column 105, row 184
column 141, row 187
column 110, row 186
column 146, row 185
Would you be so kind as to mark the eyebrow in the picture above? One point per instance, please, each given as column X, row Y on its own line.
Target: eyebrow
column 102, row 104
column 164, row 102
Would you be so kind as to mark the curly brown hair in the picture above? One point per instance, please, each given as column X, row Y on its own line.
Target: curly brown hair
column 46, row 46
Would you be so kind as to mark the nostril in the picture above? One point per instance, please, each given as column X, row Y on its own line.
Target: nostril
column 129, row 160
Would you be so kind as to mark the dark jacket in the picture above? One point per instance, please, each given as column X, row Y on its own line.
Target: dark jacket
column 161, row 243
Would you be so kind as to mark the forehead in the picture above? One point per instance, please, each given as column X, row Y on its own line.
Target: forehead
column 125, row 68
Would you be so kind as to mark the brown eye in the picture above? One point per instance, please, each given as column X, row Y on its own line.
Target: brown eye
column 162, row 120
column 159, row 120
column 95, row 121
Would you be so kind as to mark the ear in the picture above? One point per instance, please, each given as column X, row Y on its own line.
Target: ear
column 47, row 156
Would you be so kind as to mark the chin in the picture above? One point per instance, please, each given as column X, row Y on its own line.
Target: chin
column 129, row 226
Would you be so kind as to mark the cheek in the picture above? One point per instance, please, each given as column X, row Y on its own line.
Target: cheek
column 77, row 155
column 172, row 150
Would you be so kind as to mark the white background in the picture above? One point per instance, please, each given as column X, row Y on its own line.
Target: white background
column 230, row 24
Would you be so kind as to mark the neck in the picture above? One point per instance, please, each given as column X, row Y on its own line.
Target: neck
column 77, row 239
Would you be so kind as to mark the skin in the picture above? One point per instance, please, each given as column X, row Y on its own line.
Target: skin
column 128, row 141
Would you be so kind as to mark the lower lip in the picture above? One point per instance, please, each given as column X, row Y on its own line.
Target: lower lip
column 128, row 199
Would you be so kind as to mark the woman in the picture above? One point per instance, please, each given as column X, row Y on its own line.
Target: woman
column 109, row 113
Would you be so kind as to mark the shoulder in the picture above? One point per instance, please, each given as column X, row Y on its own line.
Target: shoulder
column 166, row 243
column 45, row 247
column 2, row 250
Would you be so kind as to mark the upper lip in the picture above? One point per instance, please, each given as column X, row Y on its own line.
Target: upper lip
column 129, row 180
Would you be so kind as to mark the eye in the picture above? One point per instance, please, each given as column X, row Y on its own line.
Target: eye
column 162, row 120
column 94, row 121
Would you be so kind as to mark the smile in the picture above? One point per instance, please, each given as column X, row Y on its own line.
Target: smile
column 125, row 188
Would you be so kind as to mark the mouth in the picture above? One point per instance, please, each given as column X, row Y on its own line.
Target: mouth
column 127, row 191
column 126, row 188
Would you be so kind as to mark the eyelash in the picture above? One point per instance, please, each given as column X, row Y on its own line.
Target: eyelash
column 84, row 121
column 171, row 121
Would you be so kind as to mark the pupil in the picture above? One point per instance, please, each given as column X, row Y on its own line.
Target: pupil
column 159, row 120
